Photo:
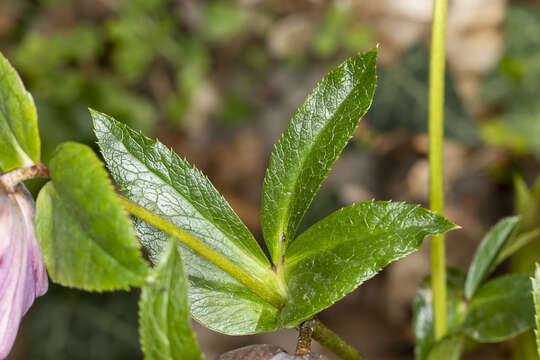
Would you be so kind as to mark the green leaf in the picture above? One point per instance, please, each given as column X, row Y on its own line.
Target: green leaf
column 487, row 253
column 423, row 311
column 158, row 179
column 516, row 244
column 165, row 322
column 536, row 298
column 19, row 135
column 338, row 253
column 314, row 139
column 500, row 309
column 86, row 237
column 448, row 348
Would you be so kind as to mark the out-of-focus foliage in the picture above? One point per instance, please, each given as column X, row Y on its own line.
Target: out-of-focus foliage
column 514, row 86
column 401, row 100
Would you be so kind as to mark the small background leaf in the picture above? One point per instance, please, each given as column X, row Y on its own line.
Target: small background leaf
column 165, row 321
column 448, row 348
column 86, row 237
column 500, row 309
column 338, row 253
column 314, row 139
column 19, row 135
column 423, row 312
column 487, row 253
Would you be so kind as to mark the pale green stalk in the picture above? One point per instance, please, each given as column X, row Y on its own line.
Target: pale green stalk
column 436, row 136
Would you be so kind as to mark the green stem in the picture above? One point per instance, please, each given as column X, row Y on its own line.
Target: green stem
column 436, row 135
column 333, row 342
column 205, row 251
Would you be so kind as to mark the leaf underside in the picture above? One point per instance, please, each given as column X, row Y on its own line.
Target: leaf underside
column 164, row 317
column 19, row 136
column 86, row 236
column 314, row 139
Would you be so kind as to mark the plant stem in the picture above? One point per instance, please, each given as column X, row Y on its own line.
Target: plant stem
column 201, row 248
column 305, row 331
column 333, row 342
column 436, row 136
column 12, row 178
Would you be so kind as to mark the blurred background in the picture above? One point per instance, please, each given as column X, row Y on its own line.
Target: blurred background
column 218, row 82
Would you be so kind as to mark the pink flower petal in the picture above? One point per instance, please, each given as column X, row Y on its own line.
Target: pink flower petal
column 22, row 272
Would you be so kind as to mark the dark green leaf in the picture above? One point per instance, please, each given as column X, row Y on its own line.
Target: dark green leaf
column 500, row 309
column 19, row 136
column 487, row 253
column 338, row 253
column 165, row 321
column 423, row 311
column 86, row 236
column 536, row 297
column 158, row 179
column 448, row 348
column 314, row 139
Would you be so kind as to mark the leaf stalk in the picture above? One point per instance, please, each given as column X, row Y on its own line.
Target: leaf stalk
column 436, row 136
column 333, row 342
column 9, row 180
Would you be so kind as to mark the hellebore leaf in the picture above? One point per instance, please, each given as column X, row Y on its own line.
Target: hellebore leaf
column 487, row 253
column 448, row 348
column 158, row 179
column 22, row 272
column 164, row 317
column 87, row 238
column 314, row 139
column 423, row 312
column 500, row 309
column 340, row 252
column 536, row 297
column 19, row 135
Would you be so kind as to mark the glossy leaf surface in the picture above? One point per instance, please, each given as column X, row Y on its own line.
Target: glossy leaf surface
column 158, row 179
column 87, row 239
column 424, row 338
column 338, row 253
column 19, row 136
column 164, row 315
column 314, row 139
column 487, row 253
column 500, row 309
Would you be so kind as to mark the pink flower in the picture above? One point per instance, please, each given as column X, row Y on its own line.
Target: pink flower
column 22, row 273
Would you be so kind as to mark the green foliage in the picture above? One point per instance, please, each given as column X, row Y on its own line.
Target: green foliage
column 19, row 136
column 449, row 348
column 314, row 139
column 536, row 297
column 402, row 100
column 157, row 178
column 165, row 321
column 87, row 239
column 425, row 345
column 514, row 85
column 487, row 253
column 500, row 309
column 340, row 252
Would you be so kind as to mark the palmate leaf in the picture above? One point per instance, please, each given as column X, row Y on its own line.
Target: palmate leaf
column 164, row 317
column 158, row 179
column 314, row 139
column 338, row 253
column 19, row 136
column 487, row 253
column 86, row 236
column 500, row 309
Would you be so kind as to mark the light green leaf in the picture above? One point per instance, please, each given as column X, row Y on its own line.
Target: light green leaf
column 536, row 298
column 164, row 318
column 338, row 253
column 158, row 179
column 487, row 253
column 516, row 244
column 86, row 236
column 19, row 135
column 423, row 311
column 500, row 309
column 314, row 139
column 448, row 348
